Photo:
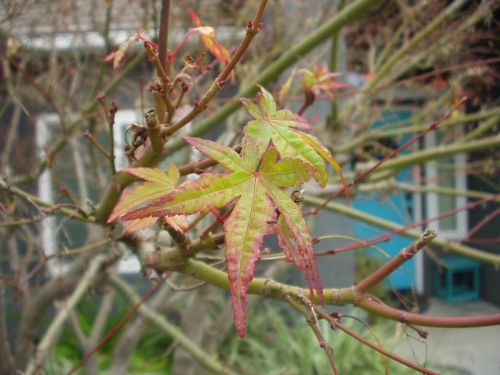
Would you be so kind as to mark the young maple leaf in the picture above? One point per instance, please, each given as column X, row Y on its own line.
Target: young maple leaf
column 255, row 183
column 118, row 55
column 210, row 41
column 287, row 131
column 158, row 183
column 320, row 79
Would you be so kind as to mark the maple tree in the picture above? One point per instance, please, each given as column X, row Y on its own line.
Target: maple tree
column 253, row 190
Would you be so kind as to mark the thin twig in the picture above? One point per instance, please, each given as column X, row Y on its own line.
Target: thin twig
column 336, row 323
column 119, row 325
column 253, row 28
column 91, row 138
column 312, row 321
column 37, row 202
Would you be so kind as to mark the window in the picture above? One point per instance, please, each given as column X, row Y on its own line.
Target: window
column 74, row 234
column 447, row 172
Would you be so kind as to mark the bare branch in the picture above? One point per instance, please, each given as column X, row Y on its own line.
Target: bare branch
column 405, row 254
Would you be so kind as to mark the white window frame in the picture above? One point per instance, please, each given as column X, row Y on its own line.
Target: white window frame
column 44, row 123
column 432, row 198
column 44, row 186
column 123, row 119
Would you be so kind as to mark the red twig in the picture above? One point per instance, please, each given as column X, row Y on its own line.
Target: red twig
column 481, row 224
column 253, row 28
column 382, row 309
column 484, row 241
column 405, row 254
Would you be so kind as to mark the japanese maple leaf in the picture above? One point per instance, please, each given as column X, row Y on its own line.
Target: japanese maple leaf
column 157, row 184
column 288, row 133
column 207, row 35
column 255, row 185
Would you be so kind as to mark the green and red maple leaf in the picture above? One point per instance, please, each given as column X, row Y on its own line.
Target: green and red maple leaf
column 255, row 187
column 278, row 152
column 289, row 133
column 157, row 183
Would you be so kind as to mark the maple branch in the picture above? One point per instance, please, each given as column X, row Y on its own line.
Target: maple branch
column 273, row 70
column 407, row 253
column 481, row 129
column 422, row 156
column 481, row 224
column 348, row 14
column 376, row 307
column 171, row 258
column 34, row 200
column 414, row 42
column 444, row 190
column 154, row 132
column 335, row 323
column 335, row 296
column 163, row 35
column 458, row 118
column 387, row 158
column 253, row 28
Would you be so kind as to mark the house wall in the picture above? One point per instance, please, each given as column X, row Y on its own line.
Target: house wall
column 490, row 276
